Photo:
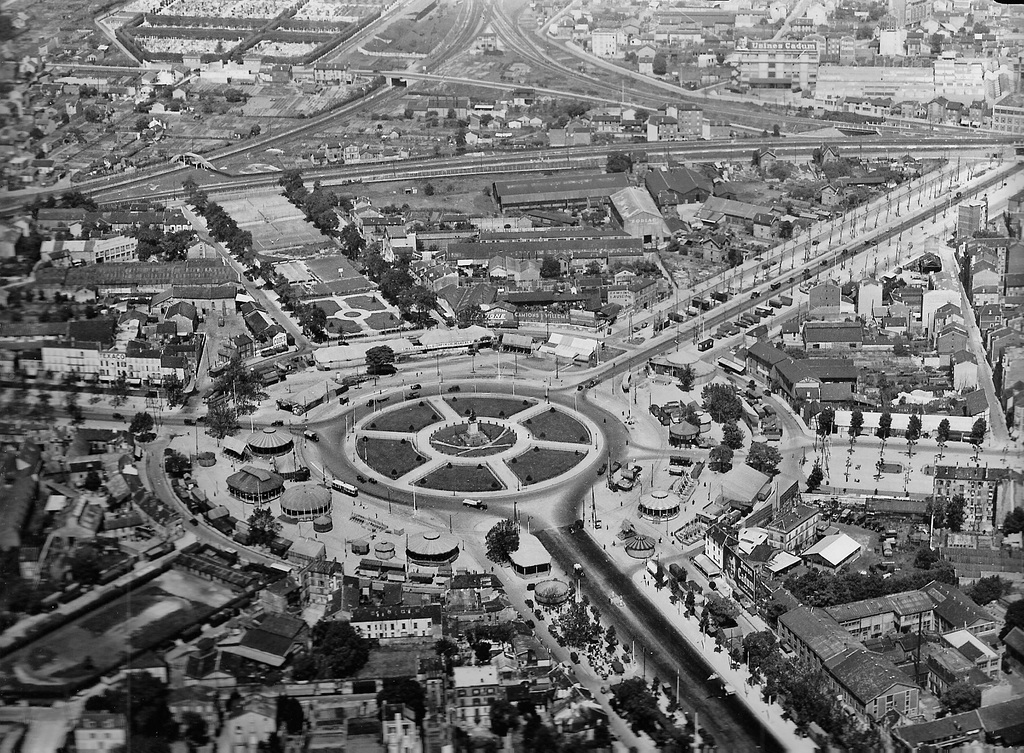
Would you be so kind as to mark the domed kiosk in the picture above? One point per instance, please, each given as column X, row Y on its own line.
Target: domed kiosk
column 659, row 504
column 269, row 443
column 306, row 501
column 552, row 593
column 640, row 547
column 683, row 434
column 323, row 524
column 253, row 484
column 432, row 549
column 384, row 550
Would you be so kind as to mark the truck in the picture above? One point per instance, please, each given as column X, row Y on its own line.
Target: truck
column 720, row 295
column 476, row 504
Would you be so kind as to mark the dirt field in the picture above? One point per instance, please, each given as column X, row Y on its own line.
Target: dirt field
column 455, row 195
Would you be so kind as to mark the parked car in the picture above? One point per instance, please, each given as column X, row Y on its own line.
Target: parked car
column 755, row 294
column 416, row 387
column 360, row 479
column 455, row 388
column 602, row 469
column 190, row 422
column 117, row 417
column 278, row 422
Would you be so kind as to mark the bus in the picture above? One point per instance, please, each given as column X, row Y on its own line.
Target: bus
column 627, row 381
column 344, row 488
column 706, row 344
column 764, row 311
column 476, row 504
column 732, row 365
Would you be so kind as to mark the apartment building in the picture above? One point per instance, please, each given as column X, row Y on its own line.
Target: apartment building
column 771, row 64
column 987, row 492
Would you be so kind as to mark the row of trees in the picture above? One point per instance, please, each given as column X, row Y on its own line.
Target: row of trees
column 807, row 696
column 221, row 225
column 319, row 205
column 761, row 457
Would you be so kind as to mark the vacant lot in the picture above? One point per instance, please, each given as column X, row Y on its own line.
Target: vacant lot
column 495, row 407
column 461, row 478
column 389, row 457
column 411, row 417
column 538, row 464
column 555, row 426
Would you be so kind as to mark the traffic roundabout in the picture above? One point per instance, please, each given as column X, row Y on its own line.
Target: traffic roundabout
column 483, row 444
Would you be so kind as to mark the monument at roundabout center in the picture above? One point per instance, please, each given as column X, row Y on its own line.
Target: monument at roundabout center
column 480, row 444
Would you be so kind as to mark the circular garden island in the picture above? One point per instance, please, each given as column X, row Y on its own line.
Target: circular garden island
column 473, row 444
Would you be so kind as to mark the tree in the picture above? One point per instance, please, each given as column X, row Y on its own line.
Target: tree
column 380, row 360
column 43, row 409
column 470, row 315
column 913, row 431
column 293, row 185
column 594, row 269
column 577, row 626
column 978, row 432
column 263, row 527
column 504, row 717
column 222, row 421
column 120, row 391
column 732, row 437
column 1014, row 521
column 815, row 477
column 447, row 649
column 142, row 423
column 776, row 131
column 550, row 268
column 502, row 540
column 619, row 162
column 942, row 432
column 174, row 391
column 884, row 430
column 987, row 590
column 956, row 512
column 1014, row 618
column 84, row 564
column 757, row 647
column 404, row 691
column 341, row 649
column 686, row 378
column 720, row 459
column 960, row 697
column 92, row 481
column 723, row 610
column 659, row 66
column 763, row 457
column 925, row 558
column 194, row 729
column 721, row 401
column 142, row 699
column 352, row 242
column 73, row 409
column 827, row 422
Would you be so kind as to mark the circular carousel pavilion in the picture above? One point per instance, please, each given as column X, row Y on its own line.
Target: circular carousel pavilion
column 659, row 504
column 257, row 485
column 683, row 434
column 640, row 547
column 552, row 593
column 323, row 524
column 269, row 443
column 306, row 501
column 432, row 549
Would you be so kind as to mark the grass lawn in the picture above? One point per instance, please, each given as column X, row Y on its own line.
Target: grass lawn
column 538, row 465
column 555, row 426
column 389, row 457
column 461, row 478
column 495, row 407
column 407, row 418
column 364, row 302
column 382, row 320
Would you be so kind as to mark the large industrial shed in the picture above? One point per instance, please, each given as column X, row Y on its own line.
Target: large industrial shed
column 565, row 191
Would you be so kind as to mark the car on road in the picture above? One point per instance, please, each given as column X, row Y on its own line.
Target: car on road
column 416, row 387
column 201, row 419
column 361, row 479
column 755, row 294
column 824, row 263
column 93, row 400
column 412, row 395
column 580, row 387
column 455, row 388
column 602, row 469
column 638, row 327
column 117, row 416
column 592, row 383
column 194, row 522
column 312, row 436
column 190, row 422
column 776, row 285
column 278, row 422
